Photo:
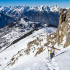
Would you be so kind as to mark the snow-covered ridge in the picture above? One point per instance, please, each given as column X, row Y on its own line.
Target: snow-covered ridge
column 27, row 8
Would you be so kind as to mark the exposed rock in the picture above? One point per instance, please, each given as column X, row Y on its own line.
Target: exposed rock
column 51, row 39
column 63, row 30
column 39, row 51
column 31, row 46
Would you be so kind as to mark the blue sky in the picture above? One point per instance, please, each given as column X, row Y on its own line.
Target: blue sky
column 61, row 3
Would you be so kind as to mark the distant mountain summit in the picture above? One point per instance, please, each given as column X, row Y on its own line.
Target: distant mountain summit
column 28, row 8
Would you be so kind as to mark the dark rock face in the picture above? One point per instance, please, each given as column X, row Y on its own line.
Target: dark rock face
column 5, row 20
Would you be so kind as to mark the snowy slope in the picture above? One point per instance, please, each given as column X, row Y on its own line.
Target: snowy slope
column 22, row 54
column 14, row 57
column 60, row 62
column 21, row 46
column 63, row 59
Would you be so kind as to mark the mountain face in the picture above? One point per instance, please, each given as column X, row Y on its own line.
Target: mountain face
column 4, row 19
column 63, row 30
column 62, row 35
column 42, row 14
column 43, row 17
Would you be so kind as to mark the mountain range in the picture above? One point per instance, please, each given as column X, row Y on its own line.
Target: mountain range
column 17, row 21
column 42, row 14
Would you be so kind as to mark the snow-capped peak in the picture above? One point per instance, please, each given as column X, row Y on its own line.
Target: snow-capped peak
column 54, row 8
column 47, row 8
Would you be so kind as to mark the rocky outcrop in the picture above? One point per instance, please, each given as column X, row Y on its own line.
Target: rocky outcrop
column 63, row 30
column 51, row 39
